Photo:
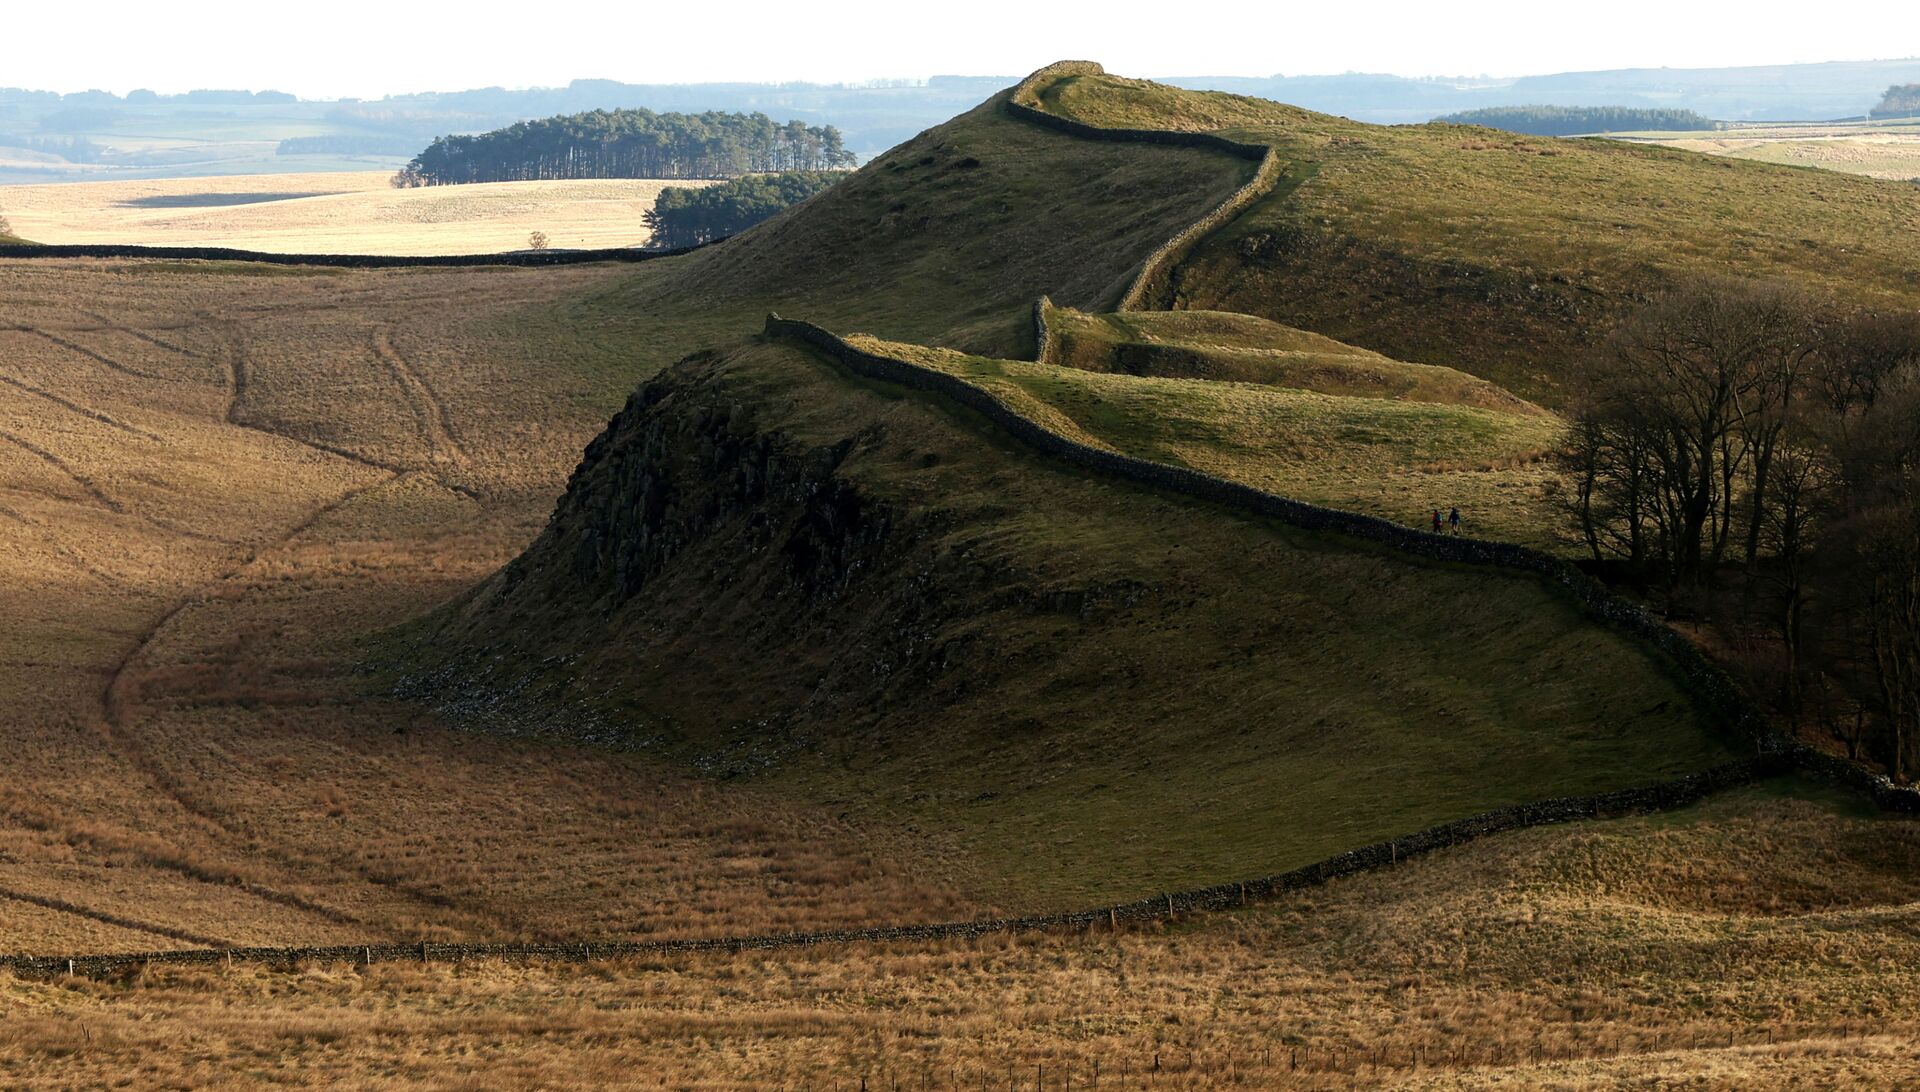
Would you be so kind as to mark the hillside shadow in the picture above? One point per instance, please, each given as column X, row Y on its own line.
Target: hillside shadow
column 212, row 200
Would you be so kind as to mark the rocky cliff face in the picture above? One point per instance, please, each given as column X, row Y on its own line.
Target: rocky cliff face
column 672, row 472
column 713, row 578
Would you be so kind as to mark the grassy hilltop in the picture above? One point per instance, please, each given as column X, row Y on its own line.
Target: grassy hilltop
column 1502, row 255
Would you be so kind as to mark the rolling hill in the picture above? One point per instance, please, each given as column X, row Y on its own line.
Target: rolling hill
column 1503, row 256
column 303, row 651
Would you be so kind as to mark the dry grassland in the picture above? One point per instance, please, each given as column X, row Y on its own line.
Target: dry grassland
column 1755, row 942
column 335, row 213
column 214, row 482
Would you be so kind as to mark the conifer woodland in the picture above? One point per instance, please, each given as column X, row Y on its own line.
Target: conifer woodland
column 628, row 144
column 683, row 216
column 1577, row 120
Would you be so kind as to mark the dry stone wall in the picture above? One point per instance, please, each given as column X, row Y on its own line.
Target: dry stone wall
column 1153, row 285
column 1662, row 795
column 1716, row 694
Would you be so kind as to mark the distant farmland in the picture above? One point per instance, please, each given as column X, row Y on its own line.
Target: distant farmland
column 1877, row 149
column 356, row 212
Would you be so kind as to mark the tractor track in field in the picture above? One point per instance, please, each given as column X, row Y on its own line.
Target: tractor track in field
column 429, row 411
column 117, row 701
column 85, row 483
column 100, row 496
column 65, row 907
column 75, row 407
column 95, row 355
column 63, row 551
column 109, row 324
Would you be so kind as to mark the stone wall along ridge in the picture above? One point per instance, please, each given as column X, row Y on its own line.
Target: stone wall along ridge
column 1152, row 287
column 1712, row 689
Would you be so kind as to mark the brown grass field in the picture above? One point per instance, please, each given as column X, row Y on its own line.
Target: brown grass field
column 213, row 481
column 1755, row 941
column 335, row 213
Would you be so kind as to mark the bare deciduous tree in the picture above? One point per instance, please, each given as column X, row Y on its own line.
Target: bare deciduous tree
column 1676, row 433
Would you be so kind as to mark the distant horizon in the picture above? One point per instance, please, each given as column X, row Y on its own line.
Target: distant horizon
column 878, row 82
column 359, row 49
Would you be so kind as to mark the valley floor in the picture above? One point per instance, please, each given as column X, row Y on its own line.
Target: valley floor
column 214, row 481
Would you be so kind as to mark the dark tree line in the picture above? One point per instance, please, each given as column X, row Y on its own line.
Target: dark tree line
column 1756, row 456
column 1575, row 120
column 1900, row 101
column 686, row 216
column 629, row 144
column 71, row 149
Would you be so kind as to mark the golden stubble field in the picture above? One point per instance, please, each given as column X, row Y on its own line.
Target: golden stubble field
column 335, row 213
column 214, row 481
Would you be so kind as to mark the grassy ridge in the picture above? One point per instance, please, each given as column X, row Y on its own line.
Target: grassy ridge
column 1096, row 691
column 1244, row 349
column 947, row 239
column 1498, row 254
column 1394, row 458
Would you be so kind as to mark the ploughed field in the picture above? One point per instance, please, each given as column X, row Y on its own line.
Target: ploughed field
column 355, row 212
column 1877, row 149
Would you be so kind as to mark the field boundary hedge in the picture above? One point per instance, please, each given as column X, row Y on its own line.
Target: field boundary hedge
column 338, row 261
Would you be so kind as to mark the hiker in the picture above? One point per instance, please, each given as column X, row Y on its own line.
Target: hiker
column 1436, row 521
column 1453, row 521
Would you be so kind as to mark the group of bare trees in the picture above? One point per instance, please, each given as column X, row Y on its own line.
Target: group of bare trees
column 1752, row 437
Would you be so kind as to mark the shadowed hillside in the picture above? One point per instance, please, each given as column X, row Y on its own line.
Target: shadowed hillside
column 767, row 570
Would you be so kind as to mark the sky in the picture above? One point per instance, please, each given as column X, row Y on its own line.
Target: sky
column 368, row 49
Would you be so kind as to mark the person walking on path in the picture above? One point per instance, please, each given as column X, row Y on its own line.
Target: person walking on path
column 1436, row 521
column 1453, row 521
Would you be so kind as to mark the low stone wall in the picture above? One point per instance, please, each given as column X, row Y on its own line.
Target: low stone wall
column 1154, row 283
column 1046, row 340
column 1710, row 687
column 339, row 261
column 1659, row 796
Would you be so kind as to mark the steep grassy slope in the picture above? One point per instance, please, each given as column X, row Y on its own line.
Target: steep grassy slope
column 948, row 240
column 1502, row 255
column 766, row 568
column 1398, row 459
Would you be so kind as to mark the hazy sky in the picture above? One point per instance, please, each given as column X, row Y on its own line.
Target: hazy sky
column 358, row 47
